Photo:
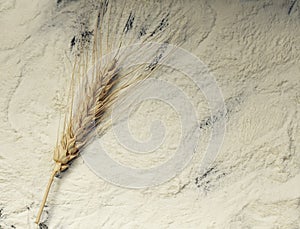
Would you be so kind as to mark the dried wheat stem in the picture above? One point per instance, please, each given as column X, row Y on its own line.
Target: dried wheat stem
column 56, row 169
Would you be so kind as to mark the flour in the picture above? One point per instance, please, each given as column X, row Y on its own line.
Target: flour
column 252, row 49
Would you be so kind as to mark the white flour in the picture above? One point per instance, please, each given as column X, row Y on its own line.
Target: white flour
column 253, row 49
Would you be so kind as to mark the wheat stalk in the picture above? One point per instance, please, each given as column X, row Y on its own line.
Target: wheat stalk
column 92, row 97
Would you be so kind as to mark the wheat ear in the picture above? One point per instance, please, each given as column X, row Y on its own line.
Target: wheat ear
column 74, row 139
column 91, row 104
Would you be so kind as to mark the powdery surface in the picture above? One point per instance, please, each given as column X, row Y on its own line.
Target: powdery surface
column 253, row 48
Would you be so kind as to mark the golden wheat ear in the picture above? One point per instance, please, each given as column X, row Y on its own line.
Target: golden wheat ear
column 91, row 96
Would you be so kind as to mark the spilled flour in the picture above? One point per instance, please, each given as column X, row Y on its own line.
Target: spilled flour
column 251, row 47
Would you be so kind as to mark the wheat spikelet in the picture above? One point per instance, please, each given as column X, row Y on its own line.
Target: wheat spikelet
column 92, row 95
